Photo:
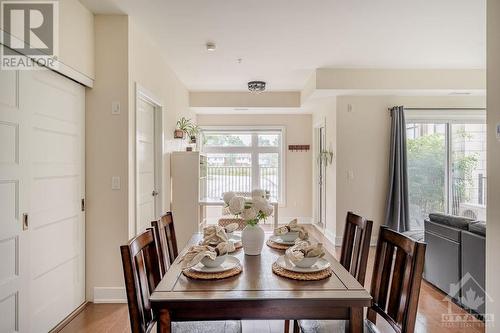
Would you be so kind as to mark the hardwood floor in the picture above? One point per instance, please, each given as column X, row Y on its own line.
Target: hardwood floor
column 104, row 318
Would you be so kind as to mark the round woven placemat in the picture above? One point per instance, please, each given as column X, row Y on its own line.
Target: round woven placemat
column 237, row 246
column 277, row 246
column 191, row 273
column 278, row 270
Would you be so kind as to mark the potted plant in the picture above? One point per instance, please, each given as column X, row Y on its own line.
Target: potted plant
column 183, row 127
column 193, row 133
column 252, row 210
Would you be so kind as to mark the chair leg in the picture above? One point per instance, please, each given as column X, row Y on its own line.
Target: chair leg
column 296, row 328
column 287, row 326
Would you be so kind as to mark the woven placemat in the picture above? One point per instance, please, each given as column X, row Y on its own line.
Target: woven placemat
column 277, row 246
column 191, row 273
column 237, row 246
column 278, row 270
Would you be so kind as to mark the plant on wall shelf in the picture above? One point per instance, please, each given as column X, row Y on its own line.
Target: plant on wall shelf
column 193, row 132
column 325, row 157
column 185, row 126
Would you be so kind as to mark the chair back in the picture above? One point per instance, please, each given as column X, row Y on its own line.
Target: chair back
column 397, row 275
column 356, row 245
column 165, row 237
column 142, row 274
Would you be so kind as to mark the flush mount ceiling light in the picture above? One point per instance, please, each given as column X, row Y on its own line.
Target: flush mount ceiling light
column 256, row 86
column 210, row 46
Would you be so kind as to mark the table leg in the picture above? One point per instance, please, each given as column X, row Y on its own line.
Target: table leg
column 356, row 320
column 164, row 322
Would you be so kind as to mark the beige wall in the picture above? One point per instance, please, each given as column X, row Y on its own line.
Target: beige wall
column 324, row 114
column 493, row 210
column 234, row 99
column 363, row 148
column 107, row 155
column 149, row 70
column 298, row 164
column 111, row 213
column 76, row 37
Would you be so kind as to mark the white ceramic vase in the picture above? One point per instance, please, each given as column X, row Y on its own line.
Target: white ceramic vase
column 252, row 238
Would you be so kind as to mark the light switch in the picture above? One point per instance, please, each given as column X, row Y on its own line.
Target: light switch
column 115, row 108
column 349, row 107
column 115, row 183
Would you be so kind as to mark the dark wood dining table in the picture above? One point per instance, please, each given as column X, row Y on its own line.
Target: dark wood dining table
column 259, row 294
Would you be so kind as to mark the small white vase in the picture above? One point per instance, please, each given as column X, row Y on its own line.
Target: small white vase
column 252, row 238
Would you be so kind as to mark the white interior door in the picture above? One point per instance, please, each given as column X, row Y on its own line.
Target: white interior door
column 14, row 184
column 42, row 264
column 56, row 220
column 146, row 187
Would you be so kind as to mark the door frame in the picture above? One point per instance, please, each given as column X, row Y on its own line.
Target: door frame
column 145, row 94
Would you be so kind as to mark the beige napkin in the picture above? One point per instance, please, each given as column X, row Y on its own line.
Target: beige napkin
column 292, row 226
column 197, row 252
column 216, row 234
column 231, row 227
column 304, row 249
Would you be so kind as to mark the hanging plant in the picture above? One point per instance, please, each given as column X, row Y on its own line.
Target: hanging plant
column 325, row 157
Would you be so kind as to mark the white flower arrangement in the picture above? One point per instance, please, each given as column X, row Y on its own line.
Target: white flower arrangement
column 253, row 209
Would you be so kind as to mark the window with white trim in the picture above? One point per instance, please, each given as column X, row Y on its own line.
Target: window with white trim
column 241, row 160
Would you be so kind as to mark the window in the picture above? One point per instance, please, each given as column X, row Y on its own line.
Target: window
column 243, row 159
column 446, row 168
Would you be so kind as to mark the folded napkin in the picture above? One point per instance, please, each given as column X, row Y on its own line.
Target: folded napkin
column 304, row 249
column 292, row 226
column 197, row 252
column 216, row 234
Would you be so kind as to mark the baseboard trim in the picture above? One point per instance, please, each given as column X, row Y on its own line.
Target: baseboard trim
column 331, row 237
column 110, row 295
column 69, row 318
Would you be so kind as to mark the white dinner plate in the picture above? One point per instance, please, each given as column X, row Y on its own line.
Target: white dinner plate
column 279, row 240
column 320, row 265
column 235, row 238
column 230, row 263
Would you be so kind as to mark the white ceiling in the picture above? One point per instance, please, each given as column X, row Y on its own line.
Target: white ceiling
column 283, row 41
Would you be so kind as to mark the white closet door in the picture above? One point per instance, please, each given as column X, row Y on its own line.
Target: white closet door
column 41, row 174
column 146, row 192
column 56, row 222
column 14, row 184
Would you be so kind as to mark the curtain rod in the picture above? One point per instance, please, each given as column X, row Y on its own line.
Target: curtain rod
column 443, row 109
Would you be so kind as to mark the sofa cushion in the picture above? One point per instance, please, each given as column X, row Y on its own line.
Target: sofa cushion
column 451, row 220
column 417, row 235
column 478, row 228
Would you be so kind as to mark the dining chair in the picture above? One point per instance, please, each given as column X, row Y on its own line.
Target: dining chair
column 395, row 287
column 354, row 252
column 141, row 270
column 356, row 245
column 165, row 237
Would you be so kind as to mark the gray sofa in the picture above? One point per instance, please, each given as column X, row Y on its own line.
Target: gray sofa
column 455, row 258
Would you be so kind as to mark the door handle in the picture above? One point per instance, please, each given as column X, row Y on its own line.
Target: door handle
column 25, row 222
column 154, row 193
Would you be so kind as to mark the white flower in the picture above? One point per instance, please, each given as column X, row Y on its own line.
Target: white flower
column 268, row 210
column 259, row 204
column 228, row 196
column 236, row 205
column 249, row 214
column 259, row 194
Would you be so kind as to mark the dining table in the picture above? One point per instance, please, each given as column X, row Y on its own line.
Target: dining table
column 258, row 294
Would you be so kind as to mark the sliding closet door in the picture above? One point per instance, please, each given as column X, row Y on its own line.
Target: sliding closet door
column 56, row 220
column 42, row 228
column 14, row 184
